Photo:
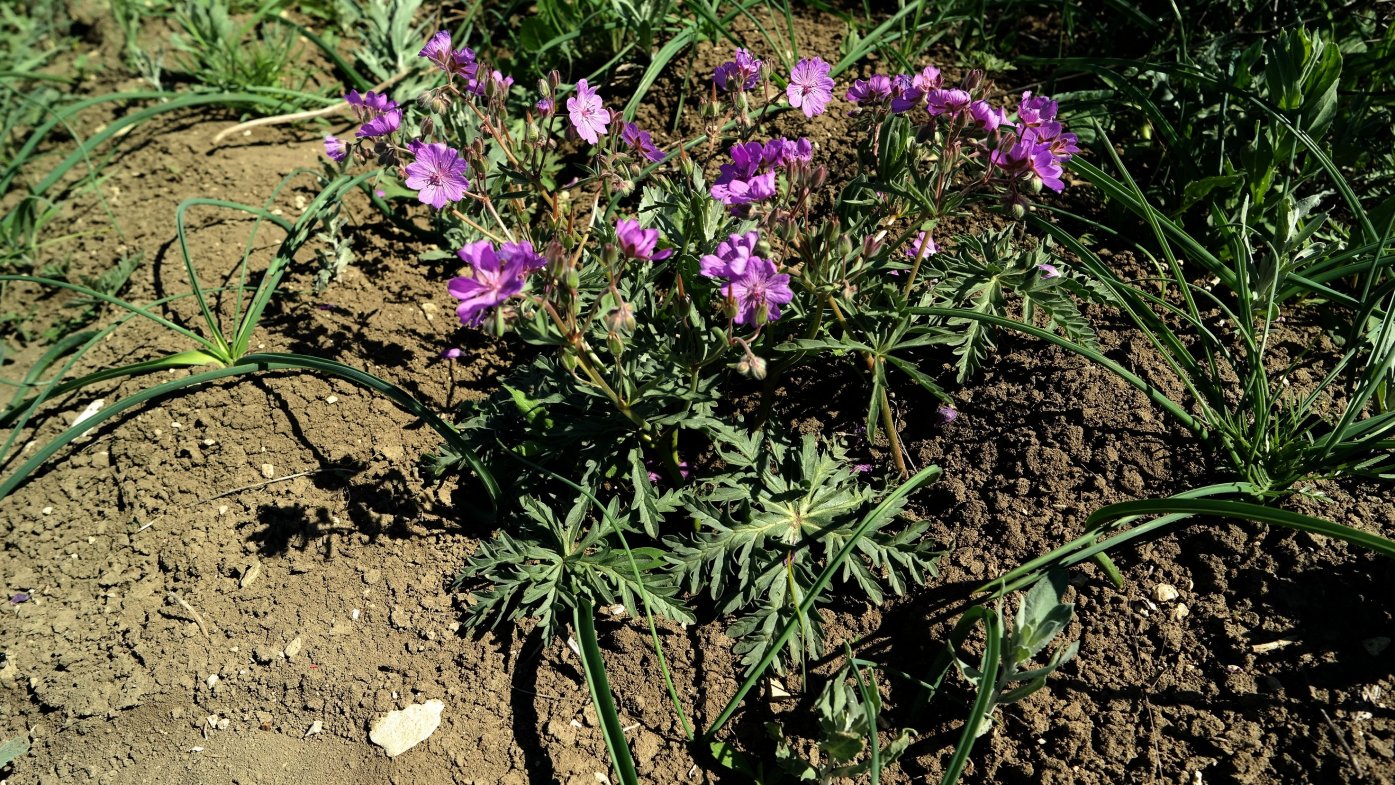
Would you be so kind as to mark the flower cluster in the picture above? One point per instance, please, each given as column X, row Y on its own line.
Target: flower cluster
column 1036, row 147
column 750, row 177
column 378, row 114
column 754, row 287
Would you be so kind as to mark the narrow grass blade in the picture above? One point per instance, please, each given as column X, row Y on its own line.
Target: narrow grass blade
column 988, row 683
column 583, row 616
column 1226, row 508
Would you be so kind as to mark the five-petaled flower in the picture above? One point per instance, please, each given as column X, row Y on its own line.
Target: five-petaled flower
column 739, row 74
column 437, row 174
column 810, row 88
column 588, row 113
column 639, row 243
column 495, row 276
column 641, row 142
column 379, row 115
column 335, row 149
column 758, row 292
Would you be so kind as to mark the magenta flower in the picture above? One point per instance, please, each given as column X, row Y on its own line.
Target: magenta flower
column 493, row 280
column 750, row 177
column 947, row 414
column 522, row 255
column 759, row 291
column 985, row 116
column 588, row 113
column 810, row 88
column 335, row 149
column 480, row 86
column 452, row 353
column 546, row 108
column 454, row 62
column 922, row 246
column 928, row 79
column 738, row 74
column 729, row 260
column 950, row 102
column 905, row 95
column 437, row 174
column 641, row 142
column 379, row 115
column 639, row 243
column 1035, row 110
column 875, row 91
column 1049, row 271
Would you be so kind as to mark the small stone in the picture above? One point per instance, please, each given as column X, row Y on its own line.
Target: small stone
column 1180, row 612
column 1374, row 646
column 332, row 399
column 293, row 648
column 1165, row 592
column 212, row 680
column 315, row 727
column 250, row 575
column 268, row 471
column 399, row 731
column 47, row 511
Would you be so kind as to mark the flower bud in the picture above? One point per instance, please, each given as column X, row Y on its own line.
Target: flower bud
column 1017, row 205
column 1034, row 184
column 752, row 367
column 973, row 79
column 621, row 320
column 616, row 344
column 872, row 244
column 610, row 254
column 820, row 176
column 845, row 246
column 554, row 78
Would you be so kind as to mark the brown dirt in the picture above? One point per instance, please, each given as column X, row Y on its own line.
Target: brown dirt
column 108, row 673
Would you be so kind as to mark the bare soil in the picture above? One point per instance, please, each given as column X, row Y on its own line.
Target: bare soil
column 209, row 533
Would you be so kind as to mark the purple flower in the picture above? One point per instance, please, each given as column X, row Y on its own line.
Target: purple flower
column 1049, row 271
column 985, row 116
column 738, row 74
column 928, row 79
column 480, row 87
column 641, row 142
column 20, row 597
column 493, row 281
column 810, row 88
column 437, row 49
column 947, row 414
column 546, row 108
column 906, row 95
column 523, row 255
column 950, row 102
column 588, row 114
column 759, row 291
column 453, row 61
column 862, row 468
column 452, row 353
column 750, row 177
column 335, row 149
column 922, row 246
column 638, row 243
column 1035, row 110
column 437, row 174
column 729, row 260
column 379, row 115
column 875, row 91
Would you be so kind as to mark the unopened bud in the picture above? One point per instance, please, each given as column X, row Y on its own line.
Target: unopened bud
column 621, row 320
column 610, row 254
column 820, row 176
column 872, row 244
column 1017, row 205
column 973, row 79
column 752, row 367
column 554, row 78
column 845, row 246
column 1034, row 184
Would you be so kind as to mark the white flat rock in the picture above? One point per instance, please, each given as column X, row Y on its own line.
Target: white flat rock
column 399, row 731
